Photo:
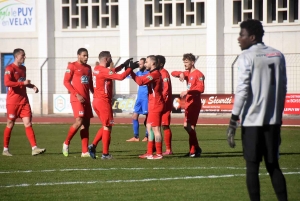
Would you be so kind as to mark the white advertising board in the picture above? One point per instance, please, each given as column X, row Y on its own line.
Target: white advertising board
column 3, row 102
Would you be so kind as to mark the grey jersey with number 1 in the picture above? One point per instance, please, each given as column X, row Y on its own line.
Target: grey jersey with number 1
column 261, row 88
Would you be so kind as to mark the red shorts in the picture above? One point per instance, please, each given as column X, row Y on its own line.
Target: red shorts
column 154, row 118
column 83, row 110
column 192, row 112
column 166, row 118
column 103, row 109
column 18, row 111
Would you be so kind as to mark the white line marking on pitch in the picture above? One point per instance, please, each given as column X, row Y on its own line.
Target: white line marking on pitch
column 135, row 180
column 107, row 169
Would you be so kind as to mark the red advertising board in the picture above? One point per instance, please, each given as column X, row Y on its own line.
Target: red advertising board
column 292, row 104
column 223, row 103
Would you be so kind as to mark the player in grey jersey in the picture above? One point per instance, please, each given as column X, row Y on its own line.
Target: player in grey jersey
column 259, row 99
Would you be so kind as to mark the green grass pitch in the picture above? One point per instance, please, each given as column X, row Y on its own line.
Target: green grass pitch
column 218, row 175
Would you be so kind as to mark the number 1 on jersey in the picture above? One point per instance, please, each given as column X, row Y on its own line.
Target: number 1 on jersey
column 272, row 67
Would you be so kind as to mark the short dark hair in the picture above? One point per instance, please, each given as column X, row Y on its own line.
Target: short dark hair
column 153, row 58
column 17, row 51
column 253, row 27
column 161, row 59
column 144, row 59
column 80, row 50
column 104, row 54
column 189, row 56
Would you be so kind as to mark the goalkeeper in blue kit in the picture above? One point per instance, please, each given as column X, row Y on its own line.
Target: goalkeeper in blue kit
column 259, row 102
column 141, row 104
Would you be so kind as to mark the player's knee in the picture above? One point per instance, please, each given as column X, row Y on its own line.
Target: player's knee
column 27, row 124
column 10, row 123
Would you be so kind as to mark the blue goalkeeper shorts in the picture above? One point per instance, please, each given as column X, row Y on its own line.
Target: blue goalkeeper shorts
column 141, row 107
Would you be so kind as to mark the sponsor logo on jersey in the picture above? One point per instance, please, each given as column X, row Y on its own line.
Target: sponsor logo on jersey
column 96, row 72
column 11, row 116
column 84, row 79
column 166, row 79
column 21, row 79
column 81, row 113
column 68, row 71
column 273, row 54
column 7, row 73
column 202, row 78
column 149, row 77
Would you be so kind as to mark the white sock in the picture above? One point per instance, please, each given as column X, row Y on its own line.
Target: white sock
column 33, row 147
column 66, row 146
column 5, row 149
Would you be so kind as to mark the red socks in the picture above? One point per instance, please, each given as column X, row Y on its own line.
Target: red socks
column 30, row 135
column 98, row 137
column 6, row 138
column 168, row 139
column 71, row 133
column 106, row 141
column 84, row 134
column 150, row 145
column 158, row 146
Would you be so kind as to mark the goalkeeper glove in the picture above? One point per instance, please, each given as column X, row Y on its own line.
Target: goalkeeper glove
column 126, row 63
column 233, row 124
column 133, row 65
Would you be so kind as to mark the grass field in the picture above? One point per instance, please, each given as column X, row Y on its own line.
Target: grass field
column 218, row 175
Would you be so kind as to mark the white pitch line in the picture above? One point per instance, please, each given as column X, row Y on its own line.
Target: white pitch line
column 107, row 169
column 130, row 169
column 135, row 180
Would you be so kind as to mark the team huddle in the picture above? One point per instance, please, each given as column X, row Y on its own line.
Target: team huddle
column 259, row 101
column 80, row 81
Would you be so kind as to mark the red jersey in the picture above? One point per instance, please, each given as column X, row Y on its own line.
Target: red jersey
column 167, row 89
column 103, row 85
column 14, row 78
column 78, row 80
column 154, row 83
column 195, row 85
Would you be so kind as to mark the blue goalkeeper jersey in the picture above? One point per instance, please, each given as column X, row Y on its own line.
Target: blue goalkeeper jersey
column 143, row 90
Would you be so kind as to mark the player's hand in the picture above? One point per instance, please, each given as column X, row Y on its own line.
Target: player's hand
column 134, row 65
column 233, row 124
column 183, row 94
column 80, row 98
column 126, row 63
column 181, row 77
column 27, row 82
column 35, row 89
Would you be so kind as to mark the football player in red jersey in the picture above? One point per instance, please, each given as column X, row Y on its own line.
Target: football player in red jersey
column 103, row 85
column 155, row 106
column 17, row 103
column 78, row 81
column 167, row 96
column 195, row 86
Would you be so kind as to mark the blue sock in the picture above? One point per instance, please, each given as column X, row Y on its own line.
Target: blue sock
column 135, row 125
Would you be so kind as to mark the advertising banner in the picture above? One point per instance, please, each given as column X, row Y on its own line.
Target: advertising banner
column 123, row 103
column 292, row 104
column 211, row 103
column 17, row 16
column 3, row 102
column 223, row 103
column 120, row 103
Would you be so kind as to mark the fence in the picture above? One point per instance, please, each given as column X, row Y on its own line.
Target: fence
column 220, row 72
